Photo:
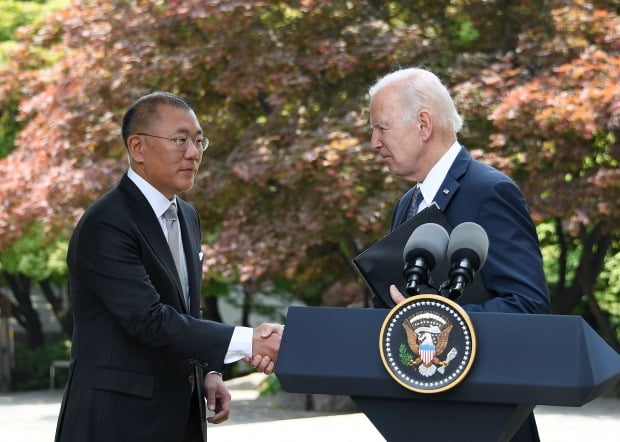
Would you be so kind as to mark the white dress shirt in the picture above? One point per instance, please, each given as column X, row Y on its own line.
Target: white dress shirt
column 436, row 176
column 240, row 345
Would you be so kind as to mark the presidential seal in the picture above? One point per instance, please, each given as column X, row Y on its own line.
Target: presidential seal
column 427, row 343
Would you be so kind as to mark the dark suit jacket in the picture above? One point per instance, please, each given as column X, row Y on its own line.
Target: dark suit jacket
column 513, row 275
column 512, row 278
column 132, row 377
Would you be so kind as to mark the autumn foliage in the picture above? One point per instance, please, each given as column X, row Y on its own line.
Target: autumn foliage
column 290, row 187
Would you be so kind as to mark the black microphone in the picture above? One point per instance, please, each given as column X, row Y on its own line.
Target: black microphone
column 425, row 248
column 467, row 252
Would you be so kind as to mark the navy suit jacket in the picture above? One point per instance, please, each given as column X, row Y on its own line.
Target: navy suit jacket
column 138, row 354
column 513, row 274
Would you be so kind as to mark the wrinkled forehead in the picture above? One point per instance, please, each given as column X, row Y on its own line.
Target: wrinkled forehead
column 385, row 106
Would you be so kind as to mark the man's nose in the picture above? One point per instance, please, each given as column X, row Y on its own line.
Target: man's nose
column 375, row 139
column 193, row 151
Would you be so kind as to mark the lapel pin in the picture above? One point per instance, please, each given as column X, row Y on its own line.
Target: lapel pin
column 446, row 191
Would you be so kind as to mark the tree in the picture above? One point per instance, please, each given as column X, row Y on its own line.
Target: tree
column 289, row 189
column 33, row 260
column 557, row 132
column 24, row 263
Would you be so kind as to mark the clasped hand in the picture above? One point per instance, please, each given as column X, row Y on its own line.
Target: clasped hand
column 265, row 347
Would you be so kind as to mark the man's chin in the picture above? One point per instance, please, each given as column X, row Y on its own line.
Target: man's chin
column 187, row 185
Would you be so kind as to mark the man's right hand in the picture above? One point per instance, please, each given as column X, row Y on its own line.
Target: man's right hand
column 265, row 347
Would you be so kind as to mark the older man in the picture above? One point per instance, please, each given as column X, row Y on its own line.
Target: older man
column 414, row 128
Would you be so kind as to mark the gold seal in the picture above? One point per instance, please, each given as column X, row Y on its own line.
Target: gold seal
column 427, row 343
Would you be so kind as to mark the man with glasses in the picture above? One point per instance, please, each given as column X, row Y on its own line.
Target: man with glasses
column 142, row 359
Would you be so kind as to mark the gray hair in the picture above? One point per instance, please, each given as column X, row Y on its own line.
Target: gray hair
column 421, row 89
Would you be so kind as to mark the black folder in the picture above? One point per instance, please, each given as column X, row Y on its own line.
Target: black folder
column 382, row 263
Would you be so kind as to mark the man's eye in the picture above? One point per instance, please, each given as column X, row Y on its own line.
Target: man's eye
column 182, row 141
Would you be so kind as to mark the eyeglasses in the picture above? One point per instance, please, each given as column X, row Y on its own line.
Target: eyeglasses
column 183, row 142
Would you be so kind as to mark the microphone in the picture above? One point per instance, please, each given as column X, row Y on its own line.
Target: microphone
column 425, row 248
column 467, row 252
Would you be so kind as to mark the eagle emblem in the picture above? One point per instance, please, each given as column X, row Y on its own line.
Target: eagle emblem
column 427, row 337
column 427, row 343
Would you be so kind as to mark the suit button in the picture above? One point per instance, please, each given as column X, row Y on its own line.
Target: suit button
column 190, row 379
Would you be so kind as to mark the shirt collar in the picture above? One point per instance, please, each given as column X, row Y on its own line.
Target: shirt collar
column 437, row 174
column 159, row 203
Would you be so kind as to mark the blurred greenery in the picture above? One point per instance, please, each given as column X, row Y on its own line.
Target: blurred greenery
column 32, row 367
column 13, row 14
column 16, row 13
column 270, row 386
column 453, row 31
column 33, row 256
column 607, row 286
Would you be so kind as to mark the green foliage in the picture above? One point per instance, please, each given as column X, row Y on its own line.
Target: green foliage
column 9, row 128
column 215, row 287
column 290, row 190
column 16, row 13
column 550, row 251
column 468, row 32
column 270, row 386
column 32, row 367
column 31, row 255
column 13, row 14
column 608, row 287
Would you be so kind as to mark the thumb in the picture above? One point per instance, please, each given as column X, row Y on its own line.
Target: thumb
column 396, row 295
column 211, row 399
column 267, row 331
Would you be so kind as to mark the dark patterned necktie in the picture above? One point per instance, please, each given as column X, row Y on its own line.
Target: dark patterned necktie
column 416, row 199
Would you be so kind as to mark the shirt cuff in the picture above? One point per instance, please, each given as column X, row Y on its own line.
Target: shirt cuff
column 240, row 345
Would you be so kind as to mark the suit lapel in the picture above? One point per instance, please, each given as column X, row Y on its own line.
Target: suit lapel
column 402, row 208
column 451, row 184
column 147, row 222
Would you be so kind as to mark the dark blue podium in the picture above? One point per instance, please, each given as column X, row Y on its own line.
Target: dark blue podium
column 522, row 361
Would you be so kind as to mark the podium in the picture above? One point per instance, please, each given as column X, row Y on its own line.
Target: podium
column 522, row 360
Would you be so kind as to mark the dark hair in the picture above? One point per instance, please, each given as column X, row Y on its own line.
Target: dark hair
column 144, row 110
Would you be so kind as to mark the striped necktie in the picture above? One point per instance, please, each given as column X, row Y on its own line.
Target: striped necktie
column 176, row 246
column 416, row 199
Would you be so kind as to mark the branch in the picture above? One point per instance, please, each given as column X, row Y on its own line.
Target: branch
column 602, row 320
column 50, row 296
column 598, row 259
column 262, row 99
column 348, row 260
column 18, row 315
column 20, row 286
column 562, row 258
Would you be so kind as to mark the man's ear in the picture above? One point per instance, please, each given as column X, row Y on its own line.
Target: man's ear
column 135, row 146
column 425, row 124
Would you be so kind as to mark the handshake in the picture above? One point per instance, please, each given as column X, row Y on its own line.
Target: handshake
column 265, row 346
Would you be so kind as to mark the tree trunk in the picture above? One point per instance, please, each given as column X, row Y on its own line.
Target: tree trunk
column 595, row 245
column 246, row 306
column 23, row 312
column 212, row 309
column 603, row 323
column 6, row 344
column 63, row 314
